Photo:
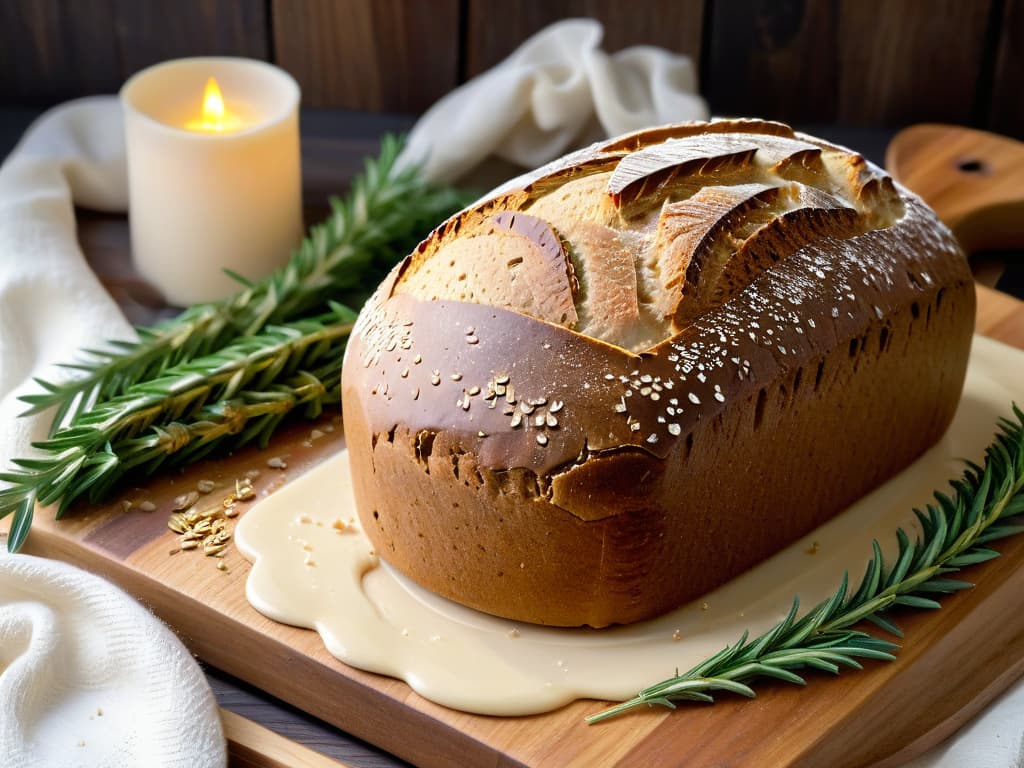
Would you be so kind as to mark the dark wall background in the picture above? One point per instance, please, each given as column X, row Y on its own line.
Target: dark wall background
column 860, row 62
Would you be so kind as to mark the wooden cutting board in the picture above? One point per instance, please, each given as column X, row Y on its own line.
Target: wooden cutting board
column 954, row 661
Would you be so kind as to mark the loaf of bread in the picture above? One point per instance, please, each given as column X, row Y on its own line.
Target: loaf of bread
column 627, row 377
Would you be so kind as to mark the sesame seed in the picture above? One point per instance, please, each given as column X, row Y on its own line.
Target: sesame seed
column 416, row 393
column 620, row 407
column 405, row 373
column 470, row 330
column 635, row 426
column 472, row 340
column 550, row 420
column 539, row 420
column 652, row 438
column 655, row 396
column 517, row 419
column 674, row 429
column 542, row 439
column 719, row 397
column 474, row 390
column 556, row 406
column 502, row 379
column 417, row 360
column 526, row 407
column 609, row 377
column 456, row 377
column 694, row 399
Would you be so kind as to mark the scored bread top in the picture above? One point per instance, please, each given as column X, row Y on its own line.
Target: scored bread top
column 606, row 303
column 634, row 241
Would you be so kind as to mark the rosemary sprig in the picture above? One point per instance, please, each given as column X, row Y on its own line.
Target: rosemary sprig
column 224, row 374
column 955, row 532
column 344, row 258
column 239, row 393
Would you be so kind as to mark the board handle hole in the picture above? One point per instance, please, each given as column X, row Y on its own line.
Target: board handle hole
column 971, row 165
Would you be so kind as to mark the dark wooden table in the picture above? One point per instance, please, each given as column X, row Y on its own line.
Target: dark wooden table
column 334, row 144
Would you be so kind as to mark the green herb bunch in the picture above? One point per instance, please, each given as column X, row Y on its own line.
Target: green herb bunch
column 955, row 533
column 224, row 374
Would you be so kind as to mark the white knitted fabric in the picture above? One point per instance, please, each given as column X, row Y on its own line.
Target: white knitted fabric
column 88, row 678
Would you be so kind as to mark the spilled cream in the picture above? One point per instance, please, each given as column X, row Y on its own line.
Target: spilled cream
column 310, row 573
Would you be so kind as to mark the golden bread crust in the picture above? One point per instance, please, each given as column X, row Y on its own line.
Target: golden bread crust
column 798, row 333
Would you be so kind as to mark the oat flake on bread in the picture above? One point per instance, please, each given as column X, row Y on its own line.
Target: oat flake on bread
column 625, row 378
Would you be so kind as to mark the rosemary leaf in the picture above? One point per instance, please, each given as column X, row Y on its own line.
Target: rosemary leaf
column 953, row 532
column 234, row 396
column 225, row 374
column 382, row 219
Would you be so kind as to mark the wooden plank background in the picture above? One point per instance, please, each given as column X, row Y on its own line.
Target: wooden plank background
column 858, row 62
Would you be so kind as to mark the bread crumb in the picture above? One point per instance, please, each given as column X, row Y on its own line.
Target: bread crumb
column 813, row 549
column 276, row 462
column 677, row 635
column 512, row 634
column 705, row 605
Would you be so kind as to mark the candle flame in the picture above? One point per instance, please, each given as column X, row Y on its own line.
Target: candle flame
column 213, row 105
column 215, row 116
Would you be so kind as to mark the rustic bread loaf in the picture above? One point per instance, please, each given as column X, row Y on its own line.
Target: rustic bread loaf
column 629, row 376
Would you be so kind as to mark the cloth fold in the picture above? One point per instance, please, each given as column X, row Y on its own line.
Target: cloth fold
column 89, row 678
column 51, row 304
column 557, row 91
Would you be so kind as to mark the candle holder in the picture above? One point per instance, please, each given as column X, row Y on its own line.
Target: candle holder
column 213, row 185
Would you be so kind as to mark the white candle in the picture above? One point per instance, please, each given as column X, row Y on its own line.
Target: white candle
column 213, row 173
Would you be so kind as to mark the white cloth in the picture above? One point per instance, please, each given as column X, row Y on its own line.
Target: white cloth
column 69, row 641
column 89, row 678
column 545, row 98
column 51, row 303
column 73, row 646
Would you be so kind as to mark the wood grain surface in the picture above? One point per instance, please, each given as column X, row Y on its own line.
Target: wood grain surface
column 771, row 43
column 393, row 55
column 493, row 30
column 942, row 677
column 250, row 745
column 910, row 60
column 1006, row 107
column 879, row 62
column 974, row 180
column 53, row 50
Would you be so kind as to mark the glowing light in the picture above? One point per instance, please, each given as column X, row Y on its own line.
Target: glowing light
column 215, row 116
